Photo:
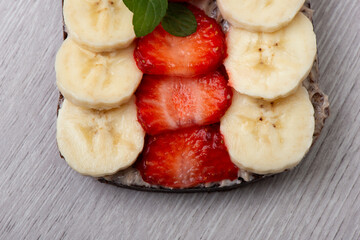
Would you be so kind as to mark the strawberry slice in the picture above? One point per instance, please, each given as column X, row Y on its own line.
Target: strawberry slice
column 186, row 158
column 169, row 103
column 161, row 53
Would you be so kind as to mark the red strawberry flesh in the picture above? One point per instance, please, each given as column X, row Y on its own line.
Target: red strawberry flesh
column 169, row 103
column 186, row 158
column 161, row 53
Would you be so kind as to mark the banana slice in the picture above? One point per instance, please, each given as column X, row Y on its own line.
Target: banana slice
column 260, row 15
column 96, row 80
column 99, row 25
column 271, row 65
column 268, row 137
column 99, row 143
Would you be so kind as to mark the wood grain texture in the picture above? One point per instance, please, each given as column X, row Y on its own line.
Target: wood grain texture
column 42, row 198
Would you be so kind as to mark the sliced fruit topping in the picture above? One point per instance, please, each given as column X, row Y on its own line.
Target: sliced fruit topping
column 99, row 25
column 186, row 158
column 99, row 143
column 271, row 65
column 260, row 16
column 268, row 137
column 161, row 53
column 169, row 103
column 96, row 80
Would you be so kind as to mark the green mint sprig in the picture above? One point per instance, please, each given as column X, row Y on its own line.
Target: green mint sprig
column 175, row 18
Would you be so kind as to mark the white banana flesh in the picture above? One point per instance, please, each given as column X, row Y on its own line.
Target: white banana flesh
column 99, row 25
column 271, row 65
column 99, row 143
column 96, row 80
column 260, row 15
column 268, row 137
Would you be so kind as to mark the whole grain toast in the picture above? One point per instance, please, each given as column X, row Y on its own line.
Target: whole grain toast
column 130, row 178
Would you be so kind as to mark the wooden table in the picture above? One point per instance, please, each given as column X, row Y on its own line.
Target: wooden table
column 42, row 198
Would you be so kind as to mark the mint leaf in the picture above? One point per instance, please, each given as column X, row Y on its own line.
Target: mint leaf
column 179, row 20
column 129, row 4
column 147, row 14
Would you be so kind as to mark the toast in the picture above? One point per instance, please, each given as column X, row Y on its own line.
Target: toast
column 131, row 178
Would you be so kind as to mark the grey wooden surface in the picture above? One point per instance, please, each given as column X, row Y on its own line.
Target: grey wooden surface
column 42, row 198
